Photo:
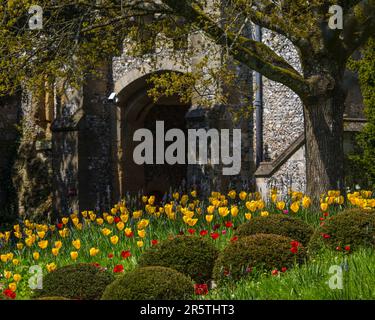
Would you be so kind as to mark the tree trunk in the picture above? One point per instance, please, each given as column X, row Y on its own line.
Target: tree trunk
column 324, row 143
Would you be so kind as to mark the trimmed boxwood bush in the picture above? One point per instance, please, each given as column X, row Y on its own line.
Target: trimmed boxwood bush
column 150, row 283
column 351, row 227
column 76, row 281
column 257, row 253
column 278, row 224
column 190, row 255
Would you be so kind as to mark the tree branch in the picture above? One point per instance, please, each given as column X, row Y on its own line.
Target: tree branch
column 257, row 56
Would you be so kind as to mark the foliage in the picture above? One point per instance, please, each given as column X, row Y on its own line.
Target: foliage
column 150, row 283
column 76, row 281
column 190, row 255
column 346, row 231
column 309, row 281
column 116, row 239
column 363, row 161
column 280, row 224
column 257, row 253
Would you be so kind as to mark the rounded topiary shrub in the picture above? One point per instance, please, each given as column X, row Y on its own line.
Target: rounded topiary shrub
column 279, row 224
column 348, row 230
column 150, row 283
column 257, row 253
column 76, row 281
column 190, row 255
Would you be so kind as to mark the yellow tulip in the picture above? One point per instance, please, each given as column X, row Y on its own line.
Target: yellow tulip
column 243, row 195
column 232, row 194
column 142, row 233
column 124, row 218
column 264, row 214
column 65, row 220
column 19, row 246
column 16, row 262
column 209, row 218
column 4, row 258
column 10, row 256
column 234, row 211
column 64, row 232
column 7, row 274
column 74, row 255
column 12, row 286
column 140, row 244
column 260, row 204
column 248, row 216
column 29, row 241
column 274, row 197
column 94, row 252
column 324, row 206
column 92, row 216
column 128, row 231
column 120, row 226
column 176, row 195
column 339, row 200
column 17, row 277
column 99, row 221
column 110, row 219
column 76, row 244
column 75, row 221
column 55, row 251
column 114, row 239
column 113, row 211
column 36, row 255
column 106, row 231
column 143, row 224
column 251, row 205
column 306, row 202
column 294, row 206
column 191, row 222
column 43, row 244
column 223, row 211
column 280, row 205
column 137, row 214
column 58, row 244
column 18, row 234
column 51, row 267
column 41, row 234
column 194, row 193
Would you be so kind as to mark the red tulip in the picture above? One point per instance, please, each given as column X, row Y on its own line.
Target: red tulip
column 201, row 289
column 295, row 244
column 347, row 248
column 60, row 226
column 275, row 272
column 214, row 235
column 125, row 254
column 110, row 256
column 326, row 236
column 294, row 250
column 229, row 224
column 203, row 233
column 338, row 248
column 283, row 269
column 119, row 268
column 234, row 239
column 117, row 219
column 9, row 293
column 154, row 242
column 191, row 231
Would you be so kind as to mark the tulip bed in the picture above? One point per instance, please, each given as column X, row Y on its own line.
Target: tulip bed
column 116, row 239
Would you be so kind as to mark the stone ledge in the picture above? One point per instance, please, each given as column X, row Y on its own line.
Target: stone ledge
column 267, row 169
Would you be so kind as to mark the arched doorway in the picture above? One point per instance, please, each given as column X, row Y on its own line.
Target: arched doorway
column 137, row 110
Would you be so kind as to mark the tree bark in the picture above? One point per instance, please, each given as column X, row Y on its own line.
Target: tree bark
column 324, row 127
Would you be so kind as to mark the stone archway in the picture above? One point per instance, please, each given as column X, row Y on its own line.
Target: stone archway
column 136, row 111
